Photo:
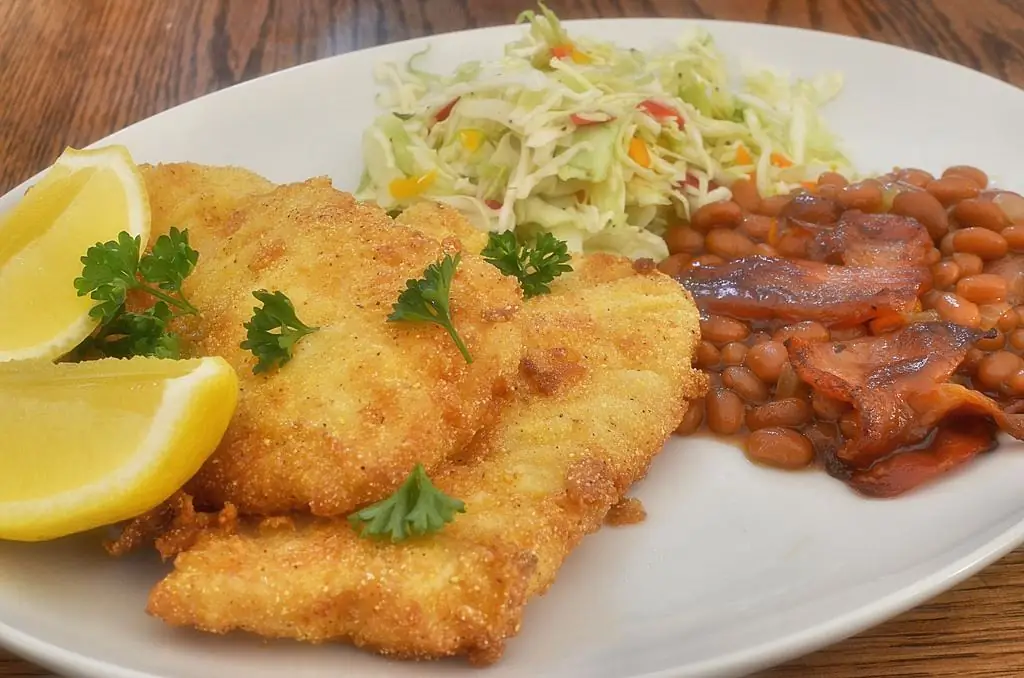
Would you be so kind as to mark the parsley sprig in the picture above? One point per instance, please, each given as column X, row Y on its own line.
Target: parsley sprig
column 273, row 348
column 417, row 508
column 535, row 267
column 112, row 269
column 427, row 300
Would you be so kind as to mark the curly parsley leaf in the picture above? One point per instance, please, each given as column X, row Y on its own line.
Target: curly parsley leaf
column 427, row 300
column 535, row 267
column 137, row 334
column 170, row 261
column 111, row 270
column 417, row 508
column 273, row 348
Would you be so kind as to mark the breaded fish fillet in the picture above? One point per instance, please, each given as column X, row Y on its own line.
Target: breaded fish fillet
column 198, row 198
column 605, row 380
column 362, row 399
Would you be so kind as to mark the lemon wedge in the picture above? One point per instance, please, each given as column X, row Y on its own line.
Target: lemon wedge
column 85, row 198
column 89, row 444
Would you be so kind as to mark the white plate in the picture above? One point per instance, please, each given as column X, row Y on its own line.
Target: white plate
column 737, row 567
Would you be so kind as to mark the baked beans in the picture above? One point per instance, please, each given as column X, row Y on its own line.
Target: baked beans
column 754, row 388
column 724, row 411
column 780, row 447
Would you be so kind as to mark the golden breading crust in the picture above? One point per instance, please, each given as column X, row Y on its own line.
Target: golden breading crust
column 605, row 380
column 362, row 399
column 198, row 198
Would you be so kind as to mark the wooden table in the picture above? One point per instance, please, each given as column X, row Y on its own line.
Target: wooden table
column 76, row 70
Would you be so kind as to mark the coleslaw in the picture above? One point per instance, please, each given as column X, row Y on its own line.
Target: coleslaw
column 602, row 146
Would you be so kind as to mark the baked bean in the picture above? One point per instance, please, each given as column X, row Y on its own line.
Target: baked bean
column 773, row 206
column 675, row 264
column 952, row 189
column 957, row 310
column 826, row 407
column 779, row 447
column 765, row 250
column 983, row 288
column 745, row 384
column 849, row 424
column 812, row 209
column 790, row 385
column 708, row 260
column 1017, row 339
column 1008, row 321
column 791, row 412
column 996, row 368
column 945, row 274
column 915, row 177
column 1014, row 236
column 759, row 337
column 693, row 418
column 744, row 194
column 733, row 353
column 720, row 214
column 968, row 172
column 828, row 191
column 975, row 212
column 808, row 330
column 756, row 226
column 721, row 330
column 970, row 264
column 993, row 343
column 986, row 244
column 866, row 196
column 728, row 244
column 946, row 245
column 707, row 355
column 767, row 360
column 1015, row 384
column 933, row 256
column 923, row 207
column 724, row 411
column 793, row 245
column 832, row 179
column 684, row 239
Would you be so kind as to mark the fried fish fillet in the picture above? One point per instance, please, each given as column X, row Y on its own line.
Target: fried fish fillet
column 604, row 381
column 362, row 399
column 198, row 198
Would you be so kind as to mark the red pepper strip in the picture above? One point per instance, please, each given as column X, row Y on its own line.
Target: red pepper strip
column 562, row 51
column 660, row 111
column 446, row 110
column 692, row 180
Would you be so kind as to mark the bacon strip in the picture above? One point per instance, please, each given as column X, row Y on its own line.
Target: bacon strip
column 898, row 385
column 880, row 240
column 953, row 444
column 759, row 288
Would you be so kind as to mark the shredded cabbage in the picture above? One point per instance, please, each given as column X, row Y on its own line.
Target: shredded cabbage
column 582, row 138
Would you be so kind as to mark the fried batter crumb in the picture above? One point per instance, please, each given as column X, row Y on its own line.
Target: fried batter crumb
column 629, row 511
column 644, row 266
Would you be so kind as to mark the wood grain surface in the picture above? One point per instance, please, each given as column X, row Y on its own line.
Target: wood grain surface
column 76, row 70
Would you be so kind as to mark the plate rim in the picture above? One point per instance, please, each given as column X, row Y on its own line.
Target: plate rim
column 36, row 649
